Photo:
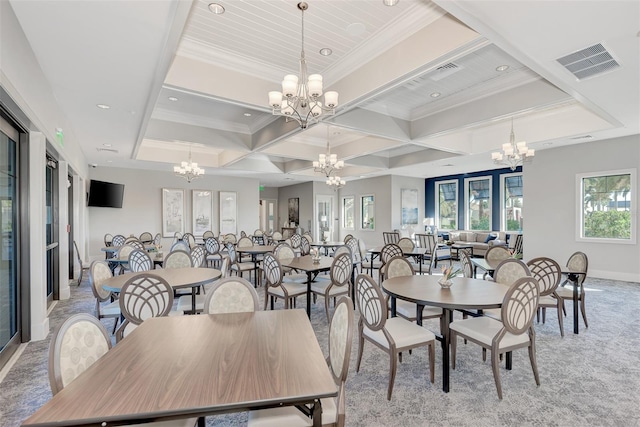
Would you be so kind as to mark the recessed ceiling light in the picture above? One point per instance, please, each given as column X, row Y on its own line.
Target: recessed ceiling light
column 325, row 51
column 247, row 114
column 216, row 8
column 106, row 145
column 502, row 68
column 173, row 98
column 390, row 2
column 435, row 94
column 103, row 106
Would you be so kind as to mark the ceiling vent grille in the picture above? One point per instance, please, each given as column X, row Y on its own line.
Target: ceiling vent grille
column 444, row 71
column 110, row 150
column 589, row 62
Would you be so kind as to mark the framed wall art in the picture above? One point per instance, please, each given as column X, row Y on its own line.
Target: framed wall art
column 294, row 212
column 202, row 211
column 409, row 206
column 228, row 212
column 172, row 211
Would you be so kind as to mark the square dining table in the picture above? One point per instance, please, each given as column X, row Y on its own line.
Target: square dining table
column 193, row 366
column 308, row 265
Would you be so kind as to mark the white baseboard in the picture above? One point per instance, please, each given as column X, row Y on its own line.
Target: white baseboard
column 614, row 275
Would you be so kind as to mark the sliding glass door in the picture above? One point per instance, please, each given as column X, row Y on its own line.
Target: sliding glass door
column 9, row 284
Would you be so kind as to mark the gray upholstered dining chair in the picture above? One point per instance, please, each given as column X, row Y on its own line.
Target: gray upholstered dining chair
column 549, row 273
column 198, row 256
column 276, row 287
column 82, row 265
column 465, row 263
column 177, row 259
column 339, row 281
column 237, row 266
column 99, row 271
column 185, row 300
column 207, row 234
column 108, row 239
column 78, row 343
column 231, row 295
column 143, row 296
column 118, row 240
column 333, row 409
column 496, row 254
column 392, row 335
column 514, row 331
column 399, row 266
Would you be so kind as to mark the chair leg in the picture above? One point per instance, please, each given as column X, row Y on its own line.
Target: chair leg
column 266, row 297
column 360, row 348
column 534, row 364
column 560, row 320
column 393, row 365
column 326, row 307
column 432, row 361
column 584, row 312
column 544, row 315
column 495, row 365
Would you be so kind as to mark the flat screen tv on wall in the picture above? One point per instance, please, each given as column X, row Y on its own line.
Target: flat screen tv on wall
column 105, row 194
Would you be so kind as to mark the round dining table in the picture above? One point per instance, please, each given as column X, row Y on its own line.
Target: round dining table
column 465, row 294
column 177, row 278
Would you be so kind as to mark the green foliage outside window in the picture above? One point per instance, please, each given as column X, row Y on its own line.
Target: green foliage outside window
column 608, row 224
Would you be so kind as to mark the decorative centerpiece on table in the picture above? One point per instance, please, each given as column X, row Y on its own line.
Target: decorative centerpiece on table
column 315, row 255
column 448, row 273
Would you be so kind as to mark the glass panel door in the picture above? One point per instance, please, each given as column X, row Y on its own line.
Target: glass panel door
column 51, row 229
column 324, row 218
column 9, row 295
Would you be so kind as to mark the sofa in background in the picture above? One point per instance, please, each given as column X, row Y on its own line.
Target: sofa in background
column 479, row 240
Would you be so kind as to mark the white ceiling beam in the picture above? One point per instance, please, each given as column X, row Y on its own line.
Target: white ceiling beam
column 171, row 131
column 369, row 122
column 424, row 156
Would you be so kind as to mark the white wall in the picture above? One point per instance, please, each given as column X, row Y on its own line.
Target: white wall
column 551, row 206
column 142, row 206
column 304, row 192
column 380, row 187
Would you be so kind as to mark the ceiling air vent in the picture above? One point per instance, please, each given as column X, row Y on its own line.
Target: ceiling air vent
column 444, row 71
column 110, row 150
column 589, row 62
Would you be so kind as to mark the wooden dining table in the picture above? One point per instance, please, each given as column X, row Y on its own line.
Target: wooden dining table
column 178, row 278
column 465, row 294
column 307, row 264
column 416, row 252
column 194, row 366
column 254, row 251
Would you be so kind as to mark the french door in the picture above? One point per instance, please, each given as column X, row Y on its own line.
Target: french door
column 324, row 223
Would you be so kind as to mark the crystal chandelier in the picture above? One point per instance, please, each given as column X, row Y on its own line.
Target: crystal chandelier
column 335, row 182
column 188, row 170
column 327, row 163
column 301, row 96
column 513, row 153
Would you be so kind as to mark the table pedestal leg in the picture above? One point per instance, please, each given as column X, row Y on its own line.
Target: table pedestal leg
column 447, row 318
column 309, row 294
column 575, row 305
column 317, row 413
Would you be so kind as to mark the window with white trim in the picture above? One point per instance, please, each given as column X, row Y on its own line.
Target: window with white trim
column 367, row 211
column 447, row 205
column 478, row 203
column 348, row 213
column 606, row 204
column 511, row 201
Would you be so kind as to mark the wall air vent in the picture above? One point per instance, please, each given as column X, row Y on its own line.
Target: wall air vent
column 444, row 71
column 589, row 62
column 110, row 150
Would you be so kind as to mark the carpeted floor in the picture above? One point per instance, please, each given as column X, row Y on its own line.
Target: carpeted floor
column 588, row 379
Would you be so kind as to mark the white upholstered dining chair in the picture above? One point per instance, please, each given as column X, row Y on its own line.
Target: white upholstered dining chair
column 231, row 295
column 514, row 331
column 392, row 335
column 77, row 344
column 333, row 409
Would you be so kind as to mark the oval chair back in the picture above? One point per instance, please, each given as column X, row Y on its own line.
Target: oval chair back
column 231, row 295
column 146, row 237
column 180, row 245
column 510, row 270
column 207, row 234
column 371, row 303
column 305, row 247
column 177, row 259
column 496, row 254
column 198, row 255
column 406, row 244
column 399, row 266
column 108, row 239
column 139, row 261
column 75, row 345
column 118, row 240
column 548, row 273
column 212, row 245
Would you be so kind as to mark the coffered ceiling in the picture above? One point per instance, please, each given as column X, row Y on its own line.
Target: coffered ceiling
column 421, row 93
